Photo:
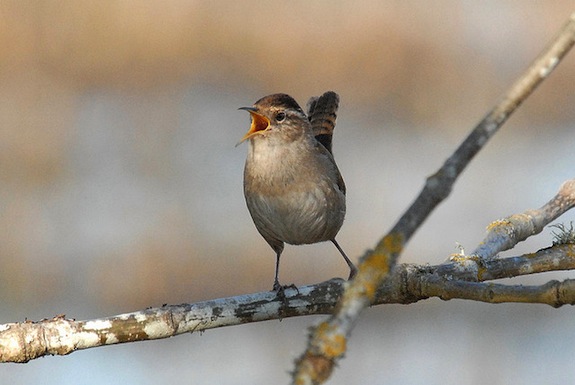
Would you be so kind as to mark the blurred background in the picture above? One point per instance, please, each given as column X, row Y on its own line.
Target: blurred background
column 121, row 188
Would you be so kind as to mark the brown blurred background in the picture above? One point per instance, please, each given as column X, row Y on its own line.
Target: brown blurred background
column 120, row 187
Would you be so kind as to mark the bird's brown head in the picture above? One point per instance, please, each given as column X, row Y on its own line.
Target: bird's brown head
column 277, row 112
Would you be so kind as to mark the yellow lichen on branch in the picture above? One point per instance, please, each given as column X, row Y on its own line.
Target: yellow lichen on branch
column 376, row 265
column 328, row 341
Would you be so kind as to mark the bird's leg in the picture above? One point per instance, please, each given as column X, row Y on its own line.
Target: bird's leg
column 277, row 287
column 352, row 268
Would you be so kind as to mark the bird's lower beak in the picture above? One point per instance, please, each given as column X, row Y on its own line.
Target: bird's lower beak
column 259, row 123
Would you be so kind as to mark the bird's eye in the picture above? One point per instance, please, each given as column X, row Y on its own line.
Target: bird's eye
column 280, row 116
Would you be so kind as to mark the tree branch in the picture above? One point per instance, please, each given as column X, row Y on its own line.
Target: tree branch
column 327, row 342
column 22, row 342
column 506, row 233
column 552, row 293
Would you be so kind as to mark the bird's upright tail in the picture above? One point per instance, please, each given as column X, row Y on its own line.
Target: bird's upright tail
column 322, row 113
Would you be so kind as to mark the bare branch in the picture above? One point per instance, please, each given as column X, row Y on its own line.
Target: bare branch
column 506, row 233
column 22, row 342
column 552, row 293
column 327, row 342
column 412, row 283
column 558, row 257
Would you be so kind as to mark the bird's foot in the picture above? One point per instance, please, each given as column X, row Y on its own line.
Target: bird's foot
column 280, row 289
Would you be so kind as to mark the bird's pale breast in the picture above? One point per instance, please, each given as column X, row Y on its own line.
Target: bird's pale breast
column 298, row 206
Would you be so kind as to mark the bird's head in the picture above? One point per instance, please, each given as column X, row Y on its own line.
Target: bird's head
column 277, row 113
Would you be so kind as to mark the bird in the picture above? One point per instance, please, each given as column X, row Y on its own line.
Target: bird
column 293, row 189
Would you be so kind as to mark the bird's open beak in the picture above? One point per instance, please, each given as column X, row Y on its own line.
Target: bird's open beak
column 259, row 123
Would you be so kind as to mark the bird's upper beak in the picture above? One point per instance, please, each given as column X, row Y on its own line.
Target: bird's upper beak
column 259, row 123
